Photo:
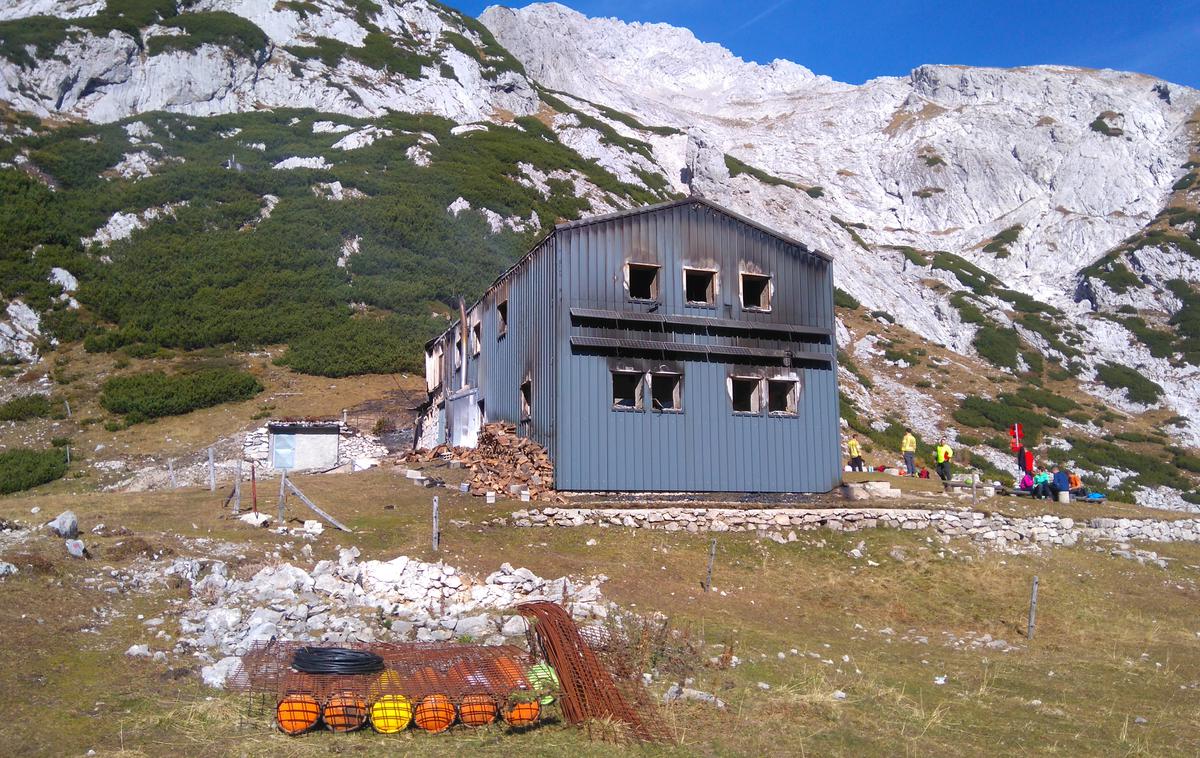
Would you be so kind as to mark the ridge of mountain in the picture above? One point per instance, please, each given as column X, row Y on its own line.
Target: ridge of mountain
column 363, row 162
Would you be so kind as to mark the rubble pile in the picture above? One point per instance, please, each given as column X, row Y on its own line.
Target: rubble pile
column 502, row 462
column 351, row 601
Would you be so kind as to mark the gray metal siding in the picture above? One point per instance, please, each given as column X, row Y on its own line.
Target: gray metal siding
column 526, row 348
column 706, row 447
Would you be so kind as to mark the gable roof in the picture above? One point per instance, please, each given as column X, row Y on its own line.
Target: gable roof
column 696, row 199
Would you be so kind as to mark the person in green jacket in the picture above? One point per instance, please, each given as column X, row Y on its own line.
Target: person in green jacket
column 1041, row 485
column 943, row 454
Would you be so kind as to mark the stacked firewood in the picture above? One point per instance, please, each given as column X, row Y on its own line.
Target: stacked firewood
column 502, row 462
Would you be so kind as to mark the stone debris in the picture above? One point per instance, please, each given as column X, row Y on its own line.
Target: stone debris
column 678, row 692
column 138, row 651
column 501, row 462
column 76, row 549
column 215, row 675
column 65, row 525
column 7, row 569
column 350, row 600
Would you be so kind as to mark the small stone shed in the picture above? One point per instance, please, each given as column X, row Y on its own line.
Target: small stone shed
column 304, row 445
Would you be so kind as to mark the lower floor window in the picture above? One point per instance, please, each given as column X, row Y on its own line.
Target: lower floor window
column 665, row 392
column 627, row 390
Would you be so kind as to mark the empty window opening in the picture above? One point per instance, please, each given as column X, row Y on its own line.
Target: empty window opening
column 665, row 392
column 476, row 338
column 756, row 292
column 526, row 399
column 744, row 392
column 502, row 318
column 643, row 281
column 781, row 396
column 626, row 390
column 700, row 286
column 458, row 352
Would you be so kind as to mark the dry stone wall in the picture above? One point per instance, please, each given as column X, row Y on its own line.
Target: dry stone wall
column 997, row 530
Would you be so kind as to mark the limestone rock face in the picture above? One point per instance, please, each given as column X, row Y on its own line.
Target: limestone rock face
column 944, row 159
column 108, row 77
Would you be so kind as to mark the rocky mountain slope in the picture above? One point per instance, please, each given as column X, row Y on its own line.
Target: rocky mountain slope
column 333, row 173
column 1031, row 175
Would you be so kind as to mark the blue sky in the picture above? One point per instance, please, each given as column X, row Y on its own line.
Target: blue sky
column 856, row 41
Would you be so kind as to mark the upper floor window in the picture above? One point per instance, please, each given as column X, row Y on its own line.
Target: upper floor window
column 642, row 279
column 756, row 292
column 700, row 286
column 501, row 318
column 782, row 396
column 476, row 338
column 744, row 394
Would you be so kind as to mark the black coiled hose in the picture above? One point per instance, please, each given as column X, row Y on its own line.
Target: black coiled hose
column 335, row 660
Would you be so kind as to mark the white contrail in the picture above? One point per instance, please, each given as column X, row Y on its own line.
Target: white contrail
column 769, row 10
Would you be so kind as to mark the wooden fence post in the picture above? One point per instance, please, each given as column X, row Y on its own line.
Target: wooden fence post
column 237, row 489
column 437, row 531
column 712, row 557
column 282, row 494
column 1032, row 610
column 212, row 472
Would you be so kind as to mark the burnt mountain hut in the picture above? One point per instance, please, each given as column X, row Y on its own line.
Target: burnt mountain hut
column 678, row 347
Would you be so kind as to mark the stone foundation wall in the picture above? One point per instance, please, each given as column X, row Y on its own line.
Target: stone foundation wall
column 991, row 528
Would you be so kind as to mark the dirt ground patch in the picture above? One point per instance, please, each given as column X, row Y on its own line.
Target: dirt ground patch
column 902, row 640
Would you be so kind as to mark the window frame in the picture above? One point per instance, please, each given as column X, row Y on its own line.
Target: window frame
column 677, row 392
column 655, row 287
column 768, row 291
column 525, row 395
column 716, row 287
column 639, row 396
column 756, row 398
column 793, row 396
column 476, row 337
column 501, row 319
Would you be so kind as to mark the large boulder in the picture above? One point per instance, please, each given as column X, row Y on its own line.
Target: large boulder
column 65, row 525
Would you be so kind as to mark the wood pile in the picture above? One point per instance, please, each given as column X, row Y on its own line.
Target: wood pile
column 500, row 462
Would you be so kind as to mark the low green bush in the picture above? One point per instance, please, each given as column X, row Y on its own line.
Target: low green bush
column 1002, row 413
column 23, row 468
column 1137, row 388
column 998, row 345
column 215, row 28
column 737, row 167
column 843, row 299
column 155, row 394
column 361, row 346
column 24, row 408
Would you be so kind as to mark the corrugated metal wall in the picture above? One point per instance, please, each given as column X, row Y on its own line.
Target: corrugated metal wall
column 706, row 447
column 524, row 351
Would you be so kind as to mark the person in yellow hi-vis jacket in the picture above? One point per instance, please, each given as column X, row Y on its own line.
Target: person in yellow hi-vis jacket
column 943, row 454
column 856, row 460
column 908, row 446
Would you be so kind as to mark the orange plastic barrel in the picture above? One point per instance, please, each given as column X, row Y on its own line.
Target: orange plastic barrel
column 297, row 713
column 512, row 672
column 435, row 713
column 522, row 713
column 477, row 710
column 345, row 712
